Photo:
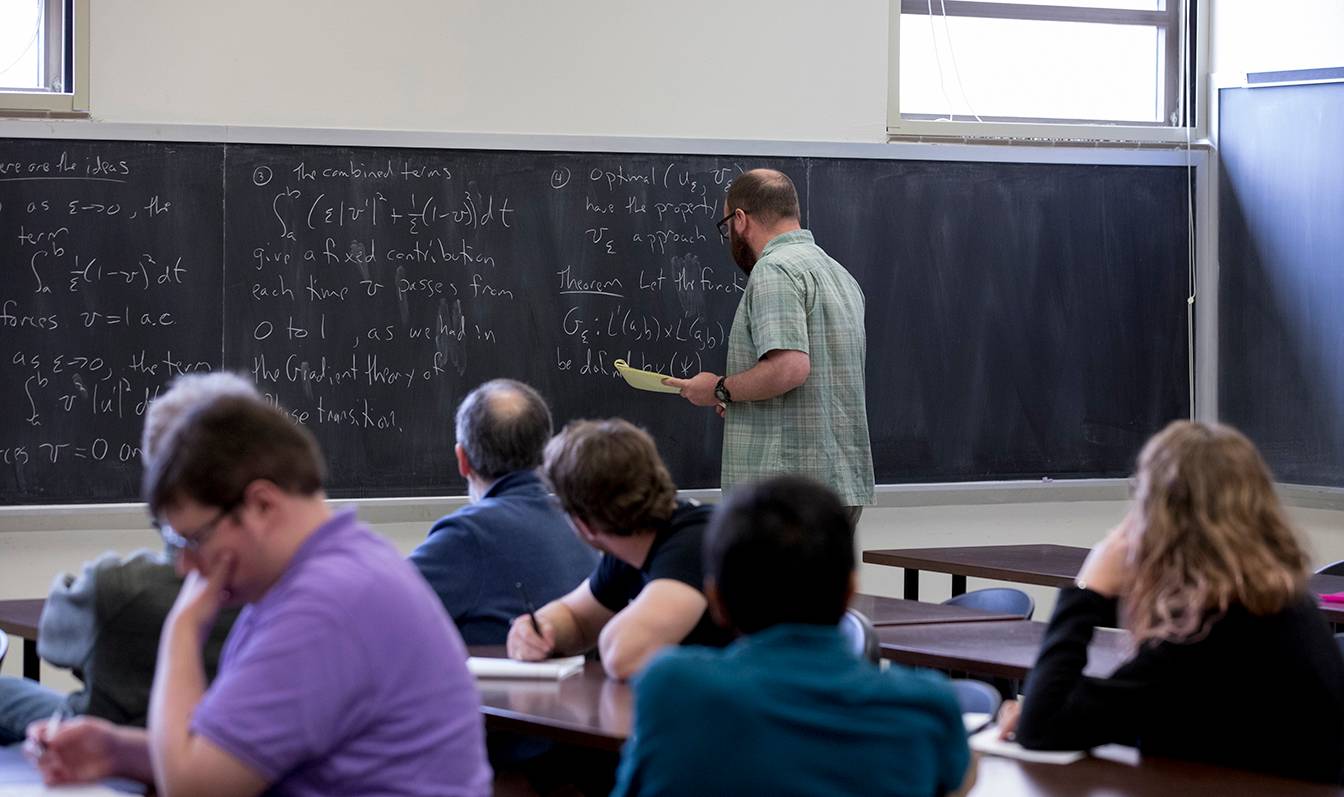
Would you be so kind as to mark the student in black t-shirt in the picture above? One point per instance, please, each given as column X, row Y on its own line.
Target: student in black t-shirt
column 646, row 592
column 1233, row 663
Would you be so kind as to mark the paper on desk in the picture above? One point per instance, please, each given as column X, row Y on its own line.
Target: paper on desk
column 38, row 790
column 551, row 669
column 989, row 743
column 18, row 778
column 643, row 380
column 975, row 720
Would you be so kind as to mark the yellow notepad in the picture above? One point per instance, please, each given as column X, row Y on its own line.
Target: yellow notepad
column 643, row 380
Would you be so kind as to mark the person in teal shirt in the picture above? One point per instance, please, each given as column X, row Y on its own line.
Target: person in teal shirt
column 788, row 709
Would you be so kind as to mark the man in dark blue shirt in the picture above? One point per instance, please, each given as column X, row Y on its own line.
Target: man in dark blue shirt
column 513, row 532
column 788, row 709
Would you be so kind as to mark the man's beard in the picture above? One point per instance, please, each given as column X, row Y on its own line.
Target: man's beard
column 742, row 254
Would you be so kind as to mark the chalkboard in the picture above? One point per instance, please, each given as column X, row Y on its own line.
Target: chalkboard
column 1023, row 320
column 1281, row 262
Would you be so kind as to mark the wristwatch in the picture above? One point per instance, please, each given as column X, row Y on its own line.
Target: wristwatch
column 721, row 391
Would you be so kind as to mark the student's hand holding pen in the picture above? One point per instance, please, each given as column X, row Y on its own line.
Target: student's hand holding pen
column 1008, row 714
column 531, row 639
column 75, row 751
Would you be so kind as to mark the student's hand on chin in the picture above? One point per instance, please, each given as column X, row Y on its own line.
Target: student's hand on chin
column 202, row 597
column 1106, row 570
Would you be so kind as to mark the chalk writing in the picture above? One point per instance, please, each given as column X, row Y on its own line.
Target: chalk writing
column 364, row 290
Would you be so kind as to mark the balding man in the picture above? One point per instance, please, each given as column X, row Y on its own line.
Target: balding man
column 792, row 395
column 512, row 533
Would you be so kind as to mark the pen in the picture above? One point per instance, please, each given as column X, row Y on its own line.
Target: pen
column 527, row 604
column 54, row 722
column 53, row 725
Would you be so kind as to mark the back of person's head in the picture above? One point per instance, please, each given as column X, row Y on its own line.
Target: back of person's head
column 185, row 392
column 503, row 426
column 608, row 474
column 224, row 444
column 767, row 194
column 1206, row 532
column 780, row 551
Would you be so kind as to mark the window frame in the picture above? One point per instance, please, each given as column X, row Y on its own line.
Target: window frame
column 67, row 50
column 1186, row 84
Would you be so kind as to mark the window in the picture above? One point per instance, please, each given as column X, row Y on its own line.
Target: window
column 1118, row 63
column 43, row 57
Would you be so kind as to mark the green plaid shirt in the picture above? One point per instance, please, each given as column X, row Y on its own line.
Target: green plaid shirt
column 798, row 298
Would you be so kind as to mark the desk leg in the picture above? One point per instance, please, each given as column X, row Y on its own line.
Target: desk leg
column 958, row 585
column 911, row 584
column 32, row 665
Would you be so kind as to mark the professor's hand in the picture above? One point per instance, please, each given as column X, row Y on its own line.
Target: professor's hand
column 699, row 389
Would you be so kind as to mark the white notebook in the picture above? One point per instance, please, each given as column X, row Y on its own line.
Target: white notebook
column 989, row 743
column 18, row 778
column 975, row 720
column 551, row 669
column 38, row 790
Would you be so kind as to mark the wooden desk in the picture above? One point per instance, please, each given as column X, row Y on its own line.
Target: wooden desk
column 1119, row 772
column 19, row 618
column 590, row 710
column 1043, row 565
column 894, row 611
column 1320, row 585
column 997, row 649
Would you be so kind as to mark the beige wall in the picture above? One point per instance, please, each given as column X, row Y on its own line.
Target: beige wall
column 754, row 69
column 1252, row 36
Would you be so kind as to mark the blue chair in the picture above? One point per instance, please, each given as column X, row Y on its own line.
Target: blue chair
column 862, row 637
column 1000, row 600
column 1332, row 569
column 976, row 697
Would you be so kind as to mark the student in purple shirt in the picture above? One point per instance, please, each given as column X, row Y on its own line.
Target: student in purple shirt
column 343, row 674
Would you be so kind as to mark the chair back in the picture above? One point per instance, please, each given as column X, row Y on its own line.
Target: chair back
column 976, row 697
column 1339, row 640
column 4, row 646
column 1332, row 569
column 862, row 637
column 1000, row 600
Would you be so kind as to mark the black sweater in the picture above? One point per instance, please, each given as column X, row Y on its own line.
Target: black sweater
column 1263, row 693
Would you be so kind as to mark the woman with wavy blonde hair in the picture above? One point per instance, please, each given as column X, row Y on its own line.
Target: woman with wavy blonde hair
column 1233, row 662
